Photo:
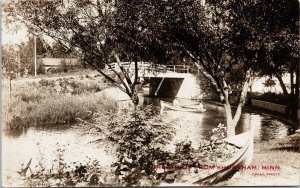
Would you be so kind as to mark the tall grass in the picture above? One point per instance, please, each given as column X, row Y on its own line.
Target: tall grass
column 49, row 103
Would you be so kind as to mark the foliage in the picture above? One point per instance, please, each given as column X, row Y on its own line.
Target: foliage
column 56, row 109
column 62, row 174
column 76, row 87
column 45, row 103
column 274, row 98
column 274, row 44
column 59, row 51
column 45, row 82
column 19, row 58
column 210, row 152
column 140, row 151
column 230, row 42
column 9, row 66
column 140, row 136
column 270, row 83
column 86, row 27
column 139, row 144
column 40, row 67
column 204, row 34
column 63, row 67
column 208, row 91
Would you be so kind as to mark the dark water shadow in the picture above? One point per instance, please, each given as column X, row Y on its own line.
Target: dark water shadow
column 290, row 148
column 15, row 133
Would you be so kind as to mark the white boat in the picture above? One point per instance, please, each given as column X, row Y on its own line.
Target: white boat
column 168, row 105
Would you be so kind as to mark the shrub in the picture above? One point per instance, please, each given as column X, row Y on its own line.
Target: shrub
column 47, row 83
column 40, row 67
column 274, row 98
column 63, row 66
column 76, row 87
column 139, row 136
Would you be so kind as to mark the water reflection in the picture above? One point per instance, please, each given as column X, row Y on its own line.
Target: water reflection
column 41, row 144
column 16, row 133
column 196, row 126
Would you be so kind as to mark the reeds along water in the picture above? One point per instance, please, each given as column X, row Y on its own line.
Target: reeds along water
column 52, row 102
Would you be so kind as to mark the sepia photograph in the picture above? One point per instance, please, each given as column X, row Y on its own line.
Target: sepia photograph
column 114, row 93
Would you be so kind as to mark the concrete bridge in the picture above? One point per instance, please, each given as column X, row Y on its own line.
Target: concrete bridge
column 165, row 80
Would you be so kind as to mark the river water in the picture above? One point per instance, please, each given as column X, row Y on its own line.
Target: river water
column 199, row 126
column 42, row 144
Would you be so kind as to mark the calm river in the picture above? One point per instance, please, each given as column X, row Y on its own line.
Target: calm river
column 41, row 144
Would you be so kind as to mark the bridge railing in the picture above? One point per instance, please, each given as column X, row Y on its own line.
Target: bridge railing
column 178, row 68
column 148, row 68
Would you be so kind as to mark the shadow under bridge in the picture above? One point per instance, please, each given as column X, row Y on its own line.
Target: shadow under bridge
column 173, row 82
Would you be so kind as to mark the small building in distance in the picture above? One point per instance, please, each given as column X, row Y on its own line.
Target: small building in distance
column 55, row 63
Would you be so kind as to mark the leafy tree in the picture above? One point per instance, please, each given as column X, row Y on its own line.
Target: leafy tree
column 60, row 51
column 92, row 28
column 270, row 83
column 27, row 54
column 228, row 41
column 281, row 23
column 270, row 33
column 19, row 58
column 204, row 34
column 9, row 66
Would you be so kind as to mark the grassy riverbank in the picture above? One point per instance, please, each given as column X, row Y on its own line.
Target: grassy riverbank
column 52, row 101
column 283, row 153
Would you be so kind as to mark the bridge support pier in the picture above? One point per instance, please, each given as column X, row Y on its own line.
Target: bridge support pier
column 159, row 86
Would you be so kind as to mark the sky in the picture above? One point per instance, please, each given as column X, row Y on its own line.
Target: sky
column 14, row 37
column 10, row 37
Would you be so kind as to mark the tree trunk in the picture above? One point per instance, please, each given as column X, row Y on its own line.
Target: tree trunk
column 233, row 121
column 229, row 121
column 10, row 87
column 228, row 112
column 135, row 98
column 283, row 87
column 297, row 80
column 292, row 81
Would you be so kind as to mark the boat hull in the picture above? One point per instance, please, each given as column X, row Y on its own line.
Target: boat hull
column 243, row 158
column 170, row 106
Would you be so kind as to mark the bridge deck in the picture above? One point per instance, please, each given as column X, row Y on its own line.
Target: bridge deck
column 166, row 75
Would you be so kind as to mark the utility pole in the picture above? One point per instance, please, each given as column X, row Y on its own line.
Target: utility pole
column 34, row 58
